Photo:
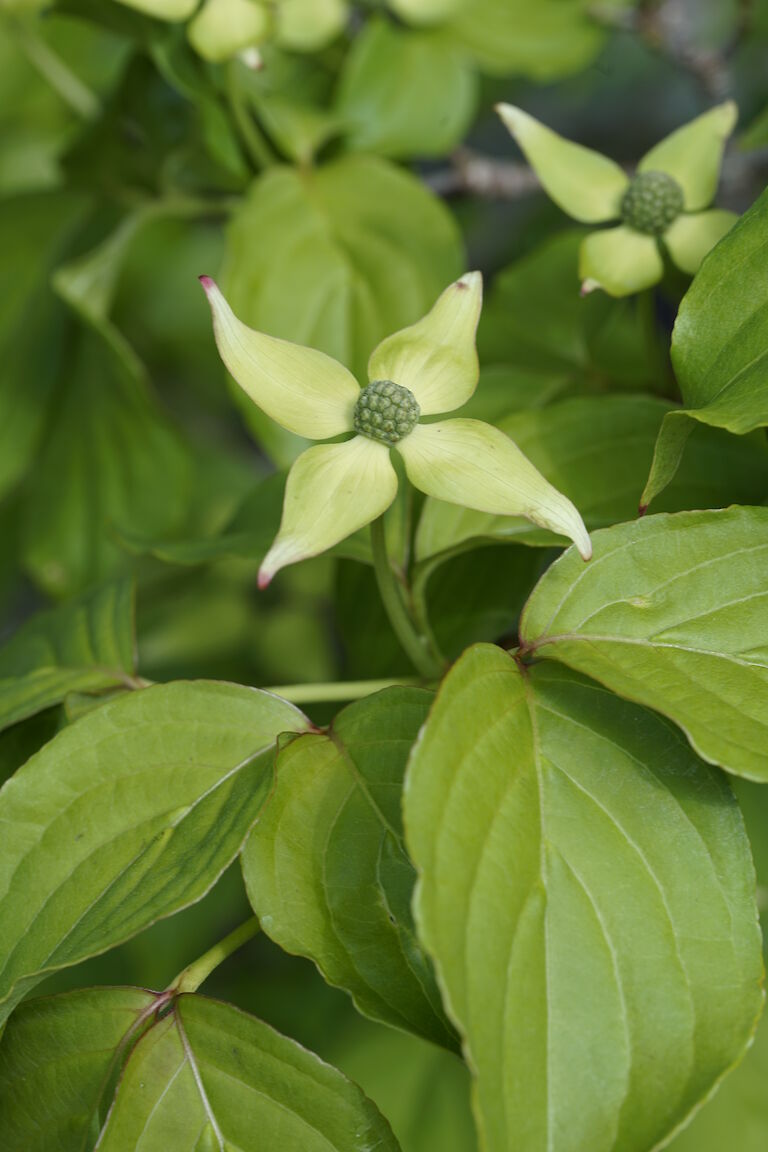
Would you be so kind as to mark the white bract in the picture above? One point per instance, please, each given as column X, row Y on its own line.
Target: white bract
column 429, row 368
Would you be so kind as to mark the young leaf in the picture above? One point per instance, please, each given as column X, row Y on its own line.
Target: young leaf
column 85, row 645
column 545, row 40
column 685, row 631
column 719, row 344
column 127, row 816
column 558, row 833
column 596, row 451
column 405, row 93
column 326, row 870
column 210, row 1077
column 56, row 1057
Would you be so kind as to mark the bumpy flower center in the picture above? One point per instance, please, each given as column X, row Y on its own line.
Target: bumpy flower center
column 386, row 411
column 652, row 201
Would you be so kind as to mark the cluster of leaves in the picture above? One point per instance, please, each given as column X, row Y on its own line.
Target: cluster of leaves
column 536, row 872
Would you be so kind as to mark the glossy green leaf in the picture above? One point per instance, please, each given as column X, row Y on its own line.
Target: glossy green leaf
column 56, row 1057
column 672, row 612
column 209, row 1077
column 84, row 645
column 326, row 870
column 597, row 450
column 125, row 817
column 337, row 258
column 720, row 344
column 405, row 93
column 558, row 833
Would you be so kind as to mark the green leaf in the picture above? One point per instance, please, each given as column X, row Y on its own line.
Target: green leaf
column 326, row 870
column 83, row 646
column 671, row 612
column 598, row 1002
column 405, row 93
column 56, row 1057
column 535, row 318
column 719, row 344
column 596, row 450
column 737, row 1117
column 545, row 40
column 32, row 230
column 210, row 1077
column 108, row 455
column 337, row 258
column 127, row 816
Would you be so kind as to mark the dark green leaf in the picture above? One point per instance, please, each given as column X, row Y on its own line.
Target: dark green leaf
column 326, row 870
column 56, row 1056
column 86, row 645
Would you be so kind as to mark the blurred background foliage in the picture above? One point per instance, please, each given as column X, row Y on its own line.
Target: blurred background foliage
column 334, row 193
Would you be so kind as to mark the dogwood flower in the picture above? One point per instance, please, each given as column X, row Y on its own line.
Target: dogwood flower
column 429, row 368
column 663, row 204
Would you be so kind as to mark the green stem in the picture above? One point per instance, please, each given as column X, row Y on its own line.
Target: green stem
column 59, row 75
column 193, row 976
column 254, row 139
column 415, row 644
column 330, row 693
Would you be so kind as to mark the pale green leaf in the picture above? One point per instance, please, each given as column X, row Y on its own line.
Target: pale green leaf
column 737, row 1117
column 85, row 645
column 209, row 1078
column 672, row 612
column 585, row 184
column 326, row 870
column 558, row 833
column 56, row 1057
column 544, row 40
column 405, row 93
column 620, row 260
column 720, row 343
column 127, row 816
column 596, row 450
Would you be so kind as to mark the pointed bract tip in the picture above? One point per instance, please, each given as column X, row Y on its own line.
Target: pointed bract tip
column 585, row 549
column 589, row 285
column 264, row 579
column 470, row 280
column 642, row 509
column 208, row 283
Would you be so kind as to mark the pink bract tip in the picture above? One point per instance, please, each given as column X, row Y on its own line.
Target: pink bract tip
column 208, row 283
column 264, row 580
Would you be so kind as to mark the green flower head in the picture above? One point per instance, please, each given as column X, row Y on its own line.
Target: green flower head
column 430, row 368
column 664, row 203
